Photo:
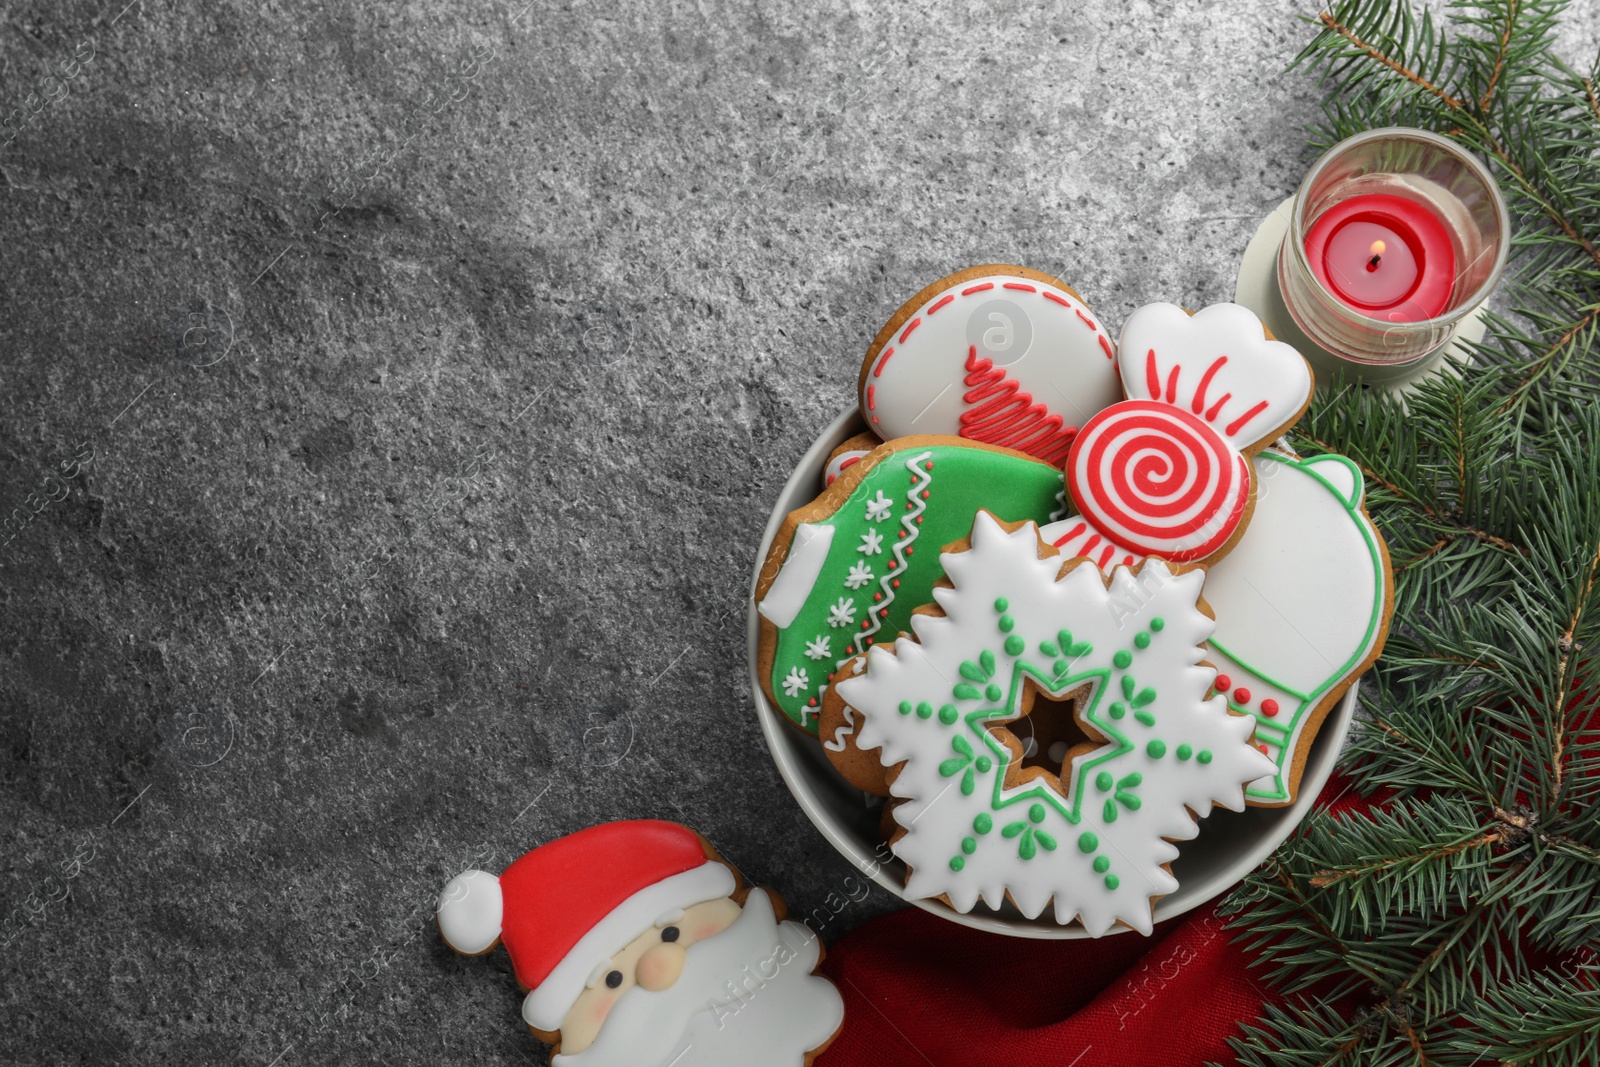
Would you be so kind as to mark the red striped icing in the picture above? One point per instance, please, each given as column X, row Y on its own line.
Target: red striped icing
column 907, row 331
column 1019, row 286
column 1048, row 295
column 1070, row 534
column 871, row 392
column 984, row 288
column 883, row 361
column 1087, row 321
column 1205, row 383
column 999, row 412
column 941, row 302
column 1105, row 346
column 1233, row 427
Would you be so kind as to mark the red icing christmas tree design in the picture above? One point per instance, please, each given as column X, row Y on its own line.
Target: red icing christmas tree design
column 1001, row 412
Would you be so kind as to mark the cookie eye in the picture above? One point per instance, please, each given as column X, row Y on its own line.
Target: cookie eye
column 614, row 979
column 670, row 934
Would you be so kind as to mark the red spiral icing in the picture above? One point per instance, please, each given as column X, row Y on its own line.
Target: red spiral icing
column 1158, row 480
column 1000, row 412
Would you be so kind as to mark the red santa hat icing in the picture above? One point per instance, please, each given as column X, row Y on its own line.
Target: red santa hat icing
column 566, row 907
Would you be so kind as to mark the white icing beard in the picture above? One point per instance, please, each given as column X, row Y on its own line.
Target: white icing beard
column 746, row 995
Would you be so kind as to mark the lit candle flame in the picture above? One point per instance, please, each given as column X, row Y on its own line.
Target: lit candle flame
column 1377, row 255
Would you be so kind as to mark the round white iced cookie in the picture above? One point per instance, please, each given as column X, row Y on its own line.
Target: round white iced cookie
column 999, row 354
column 1019, row 623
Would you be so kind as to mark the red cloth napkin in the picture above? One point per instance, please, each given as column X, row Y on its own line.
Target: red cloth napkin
column 921, row 990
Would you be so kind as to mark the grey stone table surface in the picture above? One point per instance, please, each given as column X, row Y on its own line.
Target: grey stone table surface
column 393, row 399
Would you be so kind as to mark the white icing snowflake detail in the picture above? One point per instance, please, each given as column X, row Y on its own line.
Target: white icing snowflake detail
column 871, row 543
column 796, row 682
column 1172, row 754
column 878, row 507
column 859, row 575
column 817, row 647
column 843, row 613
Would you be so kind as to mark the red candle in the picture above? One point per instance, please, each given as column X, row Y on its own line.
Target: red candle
column 1385, row 256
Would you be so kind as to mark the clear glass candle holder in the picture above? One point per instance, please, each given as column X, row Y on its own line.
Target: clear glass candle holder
column 1438, row 228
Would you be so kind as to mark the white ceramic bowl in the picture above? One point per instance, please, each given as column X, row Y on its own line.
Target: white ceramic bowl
column 1230, row 844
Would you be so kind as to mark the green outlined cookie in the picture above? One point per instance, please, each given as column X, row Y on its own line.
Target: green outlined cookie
column 846, row 571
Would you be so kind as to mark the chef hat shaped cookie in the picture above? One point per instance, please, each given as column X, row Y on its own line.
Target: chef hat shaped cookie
column 1166, row 471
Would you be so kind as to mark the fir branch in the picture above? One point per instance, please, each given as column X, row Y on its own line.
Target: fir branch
column 1487, row 99
column 1334, row 25
column 1563, row 678
column 1402, row 935
column 1546, row 363
column 1391, row 865
column 1543, row 1020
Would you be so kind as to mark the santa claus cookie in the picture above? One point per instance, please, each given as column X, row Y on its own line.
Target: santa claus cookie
column 1166, row 471
column 1021, row 631
column 638, row 946
column 846, row 570
column 998, row 354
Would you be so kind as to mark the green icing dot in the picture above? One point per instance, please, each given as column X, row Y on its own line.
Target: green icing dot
column 1087, row 842
column 1118, row 709
column 1015, row 645
column 1184, row 751
column 994, row 692
column 1112, row 881
column 1036, row 813
column 984, row 763
column 968, row 845
column 1001, row 604
column 983, row 823
column 1123, row 658
column 924, row 710
column 1007, row 624
column 1102, row 781
column 1158, row 624
column 1205, row 755
column 1157, row 749
column 957, row 862
column 1102, row 864
column 1142, row 639
column 905, row 707
column 948, row 714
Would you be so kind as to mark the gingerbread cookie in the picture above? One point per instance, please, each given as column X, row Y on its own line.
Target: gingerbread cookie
column 846, row 570
column 848, row 455
column 1302, row 606
column 1166, row 471
column 836, row 729
column 638, row 945
column 998, row 354
column 1022, row 630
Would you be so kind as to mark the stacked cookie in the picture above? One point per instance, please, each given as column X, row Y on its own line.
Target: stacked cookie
column 1064, row 596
